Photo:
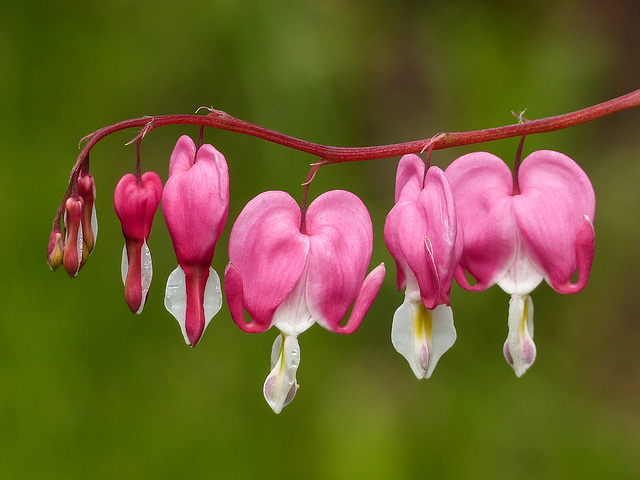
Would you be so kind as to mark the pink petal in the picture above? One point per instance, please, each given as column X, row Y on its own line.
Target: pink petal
column 267, row 254
column 482, row 187
column 367, row 293
column 585, row 245
column 392, row 241
column 556, row 195
column 340, row 245
column 409, row 178
column 442, row 236
column 415, row 253
column 136, row 204
column 426, row 234
column 195, row 200
column 234, row 294
column 409, row 182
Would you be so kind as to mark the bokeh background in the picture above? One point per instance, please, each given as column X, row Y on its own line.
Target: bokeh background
column 89, row 391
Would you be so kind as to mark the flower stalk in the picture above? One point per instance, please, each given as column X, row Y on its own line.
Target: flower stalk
column 331, row 154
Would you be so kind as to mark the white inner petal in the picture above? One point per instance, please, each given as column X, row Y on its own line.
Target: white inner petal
column 412, row 290
column 403, row 336
column 421, row 335
column 519, row 348
column 280, row 386
column 146, row 273
column 94, row 222
column 443, row 334
column 124, row 266
column 522, row 276
column 212, row 296
column 80, row 245
column 175, row 300
column 292, row 317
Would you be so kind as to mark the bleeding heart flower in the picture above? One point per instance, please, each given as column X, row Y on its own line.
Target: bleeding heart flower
column 195, row 203
column 516, row 237
column 136, row 201
column 422, row 235
column 292, row 278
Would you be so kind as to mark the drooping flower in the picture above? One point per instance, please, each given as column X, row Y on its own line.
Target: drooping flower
column 422, row 235
column 87, row 191
column 516, row 237
column 195, row 203
column 73, row 242
column 136, row 201
column 290, row 277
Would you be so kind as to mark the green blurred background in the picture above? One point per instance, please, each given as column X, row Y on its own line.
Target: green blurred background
column 89, row 391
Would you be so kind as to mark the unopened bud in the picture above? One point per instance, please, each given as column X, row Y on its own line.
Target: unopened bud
column 55, row 249
column 73, row 244
column 87, row 191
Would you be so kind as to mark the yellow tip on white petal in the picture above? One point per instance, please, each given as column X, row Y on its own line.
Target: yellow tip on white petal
column 422, row 335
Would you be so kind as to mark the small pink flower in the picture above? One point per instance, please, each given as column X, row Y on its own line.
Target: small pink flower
column 195, row 203
column 292, row 279
column 517, row 239
column 136, row 202
column 422, row 235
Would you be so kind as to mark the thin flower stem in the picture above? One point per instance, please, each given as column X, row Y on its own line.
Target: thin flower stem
column 330, row 154
column 138, row 166
column 310, row 176
column 516, row 166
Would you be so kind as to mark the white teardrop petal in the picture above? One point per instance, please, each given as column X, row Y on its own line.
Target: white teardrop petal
column 443, row 334
column 422, row 336
column 124, row 266
column 280, row 386
column 519, row 349
column 94, row 222
column 80, row 245
column 212, row 296
column 146, row 273
column 414, row 350
column 175, row 298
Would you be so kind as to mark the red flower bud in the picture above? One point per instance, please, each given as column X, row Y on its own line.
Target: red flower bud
column 72, row 256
